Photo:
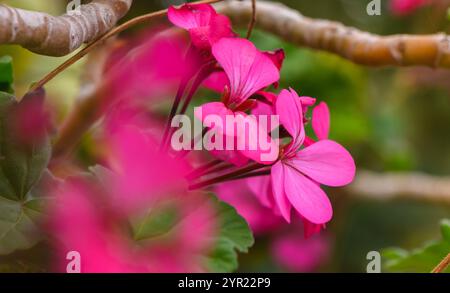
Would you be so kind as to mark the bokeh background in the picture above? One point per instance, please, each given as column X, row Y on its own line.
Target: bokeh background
column 391, row 120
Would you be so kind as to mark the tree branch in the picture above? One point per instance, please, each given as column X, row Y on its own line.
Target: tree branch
column 58, row 36
column 388, row 186
column 355, row 45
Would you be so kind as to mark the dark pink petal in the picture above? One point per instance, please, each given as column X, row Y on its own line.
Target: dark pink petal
column 326, row 162
column 270, row 97
column 282, row 202
column 217, row 82
column 191, row 16
column 310, row 229
column 289, row 108
column 248, row 69
column 321, row 121
column 277, row 57
column 307, row 197
column 205, row 26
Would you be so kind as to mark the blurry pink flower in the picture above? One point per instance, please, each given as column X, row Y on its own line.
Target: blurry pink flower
column 298, row 254
column 84, row 221
column 203, row 23
column 148, row 70
column 29, row 121
column 93, row 216
column 296, row 177
column 248, row 71
column 404, row 7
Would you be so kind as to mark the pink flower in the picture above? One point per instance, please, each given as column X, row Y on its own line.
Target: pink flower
column 320, row 123
column 404, row 7
column 248, row 71
column 296, row 178
column 203, row 23
column 105, row 218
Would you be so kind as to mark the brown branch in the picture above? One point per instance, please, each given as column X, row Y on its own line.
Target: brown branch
column 355, row 45
column 135, row 21
column 58, row 36
column 443, row 265
column 387, row 186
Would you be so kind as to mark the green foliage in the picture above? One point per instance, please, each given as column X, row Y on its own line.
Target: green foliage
column 235, row 235
column 420, row 260
column 6, row 74
column 21, row 167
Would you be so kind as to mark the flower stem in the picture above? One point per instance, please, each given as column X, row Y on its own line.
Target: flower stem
column 251, row 26
column 443, row 265
column 203, row 169
column 173, row 111
column 227, row 177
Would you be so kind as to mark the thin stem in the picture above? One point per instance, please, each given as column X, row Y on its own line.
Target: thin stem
column 100, row 40
column 226, row 177
column 251, row 26
column 202, row 169
column 443, row 265
column 173, row 111
column 201, row 76
column 203, row 73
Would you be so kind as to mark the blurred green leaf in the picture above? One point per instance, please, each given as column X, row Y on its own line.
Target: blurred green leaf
column 21, row 167
column 6, row 74
column 420, row 260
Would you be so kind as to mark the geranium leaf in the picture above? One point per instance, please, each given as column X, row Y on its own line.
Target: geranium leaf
column 421, row 260
column 234, row 236
column 21, row 167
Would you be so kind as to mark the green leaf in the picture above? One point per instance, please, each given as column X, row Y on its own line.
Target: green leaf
column 421, row 260
column 21, row 167
column 234, row 236
column 6, row 74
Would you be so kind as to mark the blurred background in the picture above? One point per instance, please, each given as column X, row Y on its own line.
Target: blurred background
column 391, row 120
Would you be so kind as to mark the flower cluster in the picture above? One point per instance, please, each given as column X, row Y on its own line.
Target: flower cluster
column 148, row 211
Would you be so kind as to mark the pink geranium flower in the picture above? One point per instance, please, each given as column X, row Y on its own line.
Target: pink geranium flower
column 203, row 23
column 296, row 178
column 248, row 71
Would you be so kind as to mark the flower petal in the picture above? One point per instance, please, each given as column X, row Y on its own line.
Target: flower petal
column 321, row 121
column 307, row 197
column 248, row 69
column 289, row 108
column 191, row 16
column 282, row 202
column 326, row 162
